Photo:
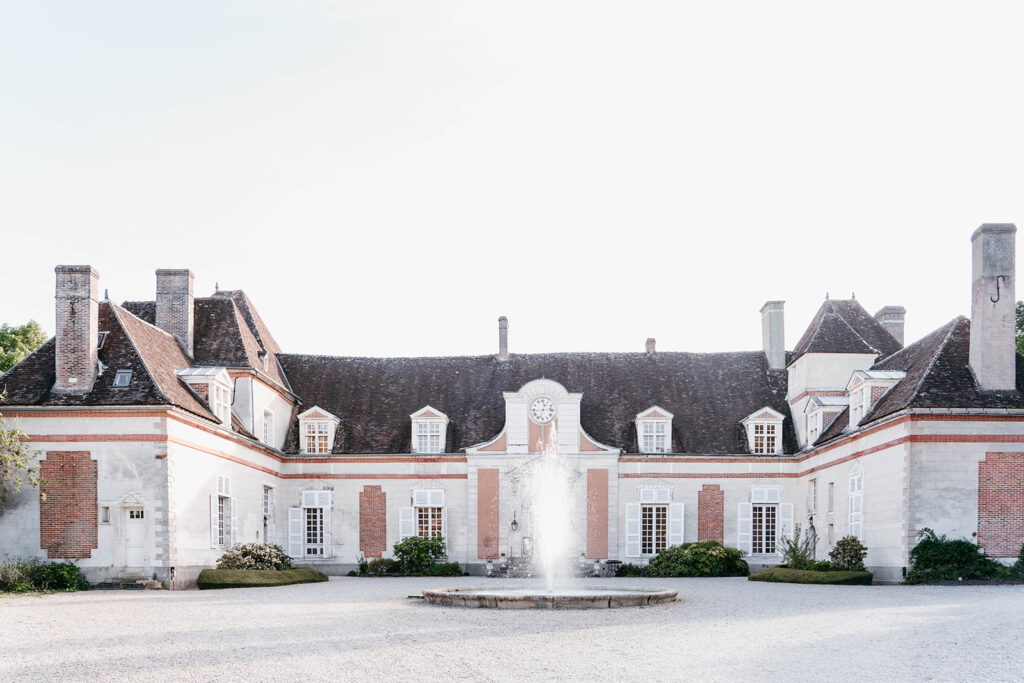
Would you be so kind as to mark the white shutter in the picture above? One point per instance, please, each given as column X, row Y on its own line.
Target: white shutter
column 772, row 495
column 675, row 524
column 271, row 518
column 444, row 531
column 214, row 521
column 233, row 505
column 436, row 498
column 757, row 495
column 421, row 498
column 662, row 495
column 223, row 485
column 745, row 528
column 309, row 499
column 785, row 521
column 406, row 523
column 633, row 530
column 326, row 506
column 647, row 495
column 295, row 532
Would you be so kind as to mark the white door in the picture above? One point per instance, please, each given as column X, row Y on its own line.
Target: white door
column 135, row 537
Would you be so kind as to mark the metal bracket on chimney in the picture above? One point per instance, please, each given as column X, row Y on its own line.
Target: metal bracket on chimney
column 998, row 278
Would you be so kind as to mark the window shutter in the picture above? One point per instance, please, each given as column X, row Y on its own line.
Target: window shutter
column 663, row 495
column 295, row 532
column 325, row 499
column 214, row 521
column 772, row 495
column 675, row 524
column 406, row 523
column 647, row 495
column 444, row 530
column 437, row 498
column 757, row 495
column 785, row 520
column 271, row 517
column 421, row 498
column 745, row 528
column 233, row 504
column 633, row 530
column 309, row 499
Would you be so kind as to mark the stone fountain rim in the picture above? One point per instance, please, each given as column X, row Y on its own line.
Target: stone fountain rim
column 602, row 597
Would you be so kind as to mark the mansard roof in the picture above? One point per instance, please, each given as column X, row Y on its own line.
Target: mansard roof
column 151, row 354
column 938, row 376
column 708, row 393
column 843, row 326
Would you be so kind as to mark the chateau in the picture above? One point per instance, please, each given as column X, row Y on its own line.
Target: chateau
column 169, row 430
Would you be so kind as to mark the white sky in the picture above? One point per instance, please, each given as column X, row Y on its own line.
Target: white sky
column 387, row 178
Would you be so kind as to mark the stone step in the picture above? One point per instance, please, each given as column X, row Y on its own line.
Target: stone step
column 127, row 585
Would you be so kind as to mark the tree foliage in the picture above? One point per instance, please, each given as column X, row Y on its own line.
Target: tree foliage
column 16, row 468
column 798, row 551
column 18, row 342
column 1020, row 327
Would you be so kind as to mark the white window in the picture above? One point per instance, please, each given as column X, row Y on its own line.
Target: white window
column 766, row 438
column 856, row 512
column 426, row 517
column 654, row 430
column 831, row 496
column 220, row 402
column 764, row 526
column 764, row 431
column 813, row 426
column 105, row 514
column 268, row 514
column 858, row 401
column 653, row 529
column 428, row 430
column 223, row 515
column 763, row 521
column 268, row 428
column 317, row 437
column 122, row 378
column 812, row 495
column 654, row 523
column 309, row 526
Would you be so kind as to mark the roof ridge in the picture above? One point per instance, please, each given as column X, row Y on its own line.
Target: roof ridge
column 856, row 333
column 114, row 308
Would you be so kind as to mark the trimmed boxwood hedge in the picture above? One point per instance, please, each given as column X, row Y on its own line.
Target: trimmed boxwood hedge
column 786, row 575
column 255, row 578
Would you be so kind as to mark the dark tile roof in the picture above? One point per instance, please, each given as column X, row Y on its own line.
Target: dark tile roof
column 843, row 326
column 708, row 394
column 938, row 376
column 131, row 344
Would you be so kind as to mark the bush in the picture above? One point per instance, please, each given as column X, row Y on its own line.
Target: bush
column 821, row 566
column 936, row 558
column 255, row 556
column 445, row 569
column 630, row 570
column 417, row 554
column 703, row 558
column 798, row 551
column 254, row 578
column 848, row 554
column 58, row 576
column 383, row 566
column 789, row 575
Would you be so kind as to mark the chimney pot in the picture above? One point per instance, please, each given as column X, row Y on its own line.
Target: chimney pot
column 502, row 338
column 175, row 310
column 892, row 319
column 77, row 296
column 993, row 355
column 650, row 345
column 773, row 334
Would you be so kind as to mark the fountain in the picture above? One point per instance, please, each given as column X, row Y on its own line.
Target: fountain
column 549, row 486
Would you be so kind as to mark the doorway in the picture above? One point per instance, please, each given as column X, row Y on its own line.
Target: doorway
column 135, row 537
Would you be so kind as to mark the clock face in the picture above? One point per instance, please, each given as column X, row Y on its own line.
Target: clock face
column 542, row 410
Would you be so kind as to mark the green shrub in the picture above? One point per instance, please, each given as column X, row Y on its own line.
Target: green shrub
column 57, row 576
column 630, row 570
column 798, row 551
column 15, row 576
column 789, row 575
column 937, row 558
column 1018, row 566
column 848, row 554
column 383, row 566
column 445, row 569
column 255, row 556
column 254, row 578
column 821, row 566
column 703, row 558
column 417, row 554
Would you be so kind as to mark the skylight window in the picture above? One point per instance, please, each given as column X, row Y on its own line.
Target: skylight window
column 122, row 378
column 100, row 338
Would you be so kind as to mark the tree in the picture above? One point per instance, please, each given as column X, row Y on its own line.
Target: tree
column 18, row 342
column 1020, row 327
column 15, row 461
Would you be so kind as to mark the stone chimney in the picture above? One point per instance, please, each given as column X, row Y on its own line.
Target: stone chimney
column 77, row 328
column 891, row 318
column 993, row 355
column 773, row 334
column 502, row 338
column 175, row 313
column 650, row 346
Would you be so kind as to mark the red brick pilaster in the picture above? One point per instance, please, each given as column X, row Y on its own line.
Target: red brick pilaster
column 487, row 514
column 597, row 513
column 373, row 529
column 711, row 513
column 68, row 516
column 1001, row 504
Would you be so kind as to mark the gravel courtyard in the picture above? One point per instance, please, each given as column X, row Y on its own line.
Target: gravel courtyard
column 361, row 629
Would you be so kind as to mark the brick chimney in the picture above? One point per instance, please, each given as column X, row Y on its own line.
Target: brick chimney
column 502, row 338
column 175, row 313
column 892, row 318
column 773, row 334
column 993, row 356
column 650, row 346
column 77, row 328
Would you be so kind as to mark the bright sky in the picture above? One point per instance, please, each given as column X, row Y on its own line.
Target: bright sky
column 387, row 178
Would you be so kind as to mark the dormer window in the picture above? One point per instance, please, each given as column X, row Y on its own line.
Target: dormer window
column 654, row 430
column 214, row 385
column 764, row 431
column 429, row 427
column 820, row 412
column 316, row 431
column 122, row 378
column 866, row 387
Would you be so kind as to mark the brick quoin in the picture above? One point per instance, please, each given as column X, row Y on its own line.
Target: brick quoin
column 67, row 517
column 487, row 514
column 1001, row 504
column 711, row 513
column 597, row 513
column 373, row 529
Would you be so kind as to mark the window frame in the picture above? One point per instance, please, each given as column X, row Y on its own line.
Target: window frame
column 654, row 431
column 429, row 431
column 650, row 541
column 268, row 428
column 321, row 439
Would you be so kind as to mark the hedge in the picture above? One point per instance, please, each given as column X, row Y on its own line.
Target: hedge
column 785, row 575
column 255, row 578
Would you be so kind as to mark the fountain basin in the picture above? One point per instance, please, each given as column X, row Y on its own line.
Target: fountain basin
column 539, row 598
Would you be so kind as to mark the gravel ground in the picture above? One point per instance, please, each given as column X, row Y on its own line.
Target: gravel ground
column 361, row 629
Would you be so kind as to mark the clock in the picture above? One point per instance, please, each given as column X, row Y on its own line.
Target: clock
column 542, row 410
